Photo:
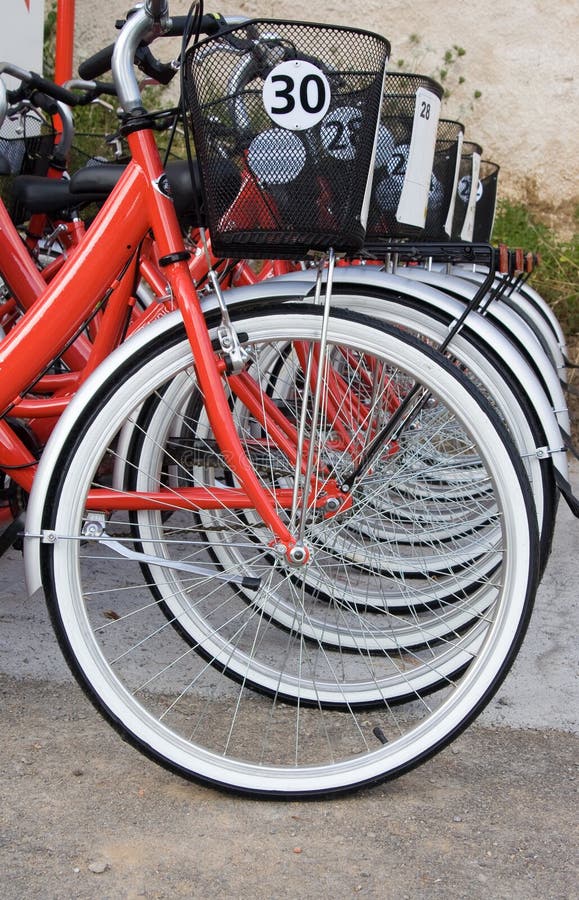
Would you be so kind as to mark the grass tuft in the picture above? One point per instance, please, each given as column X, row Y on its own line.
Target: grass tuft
column 557, row 276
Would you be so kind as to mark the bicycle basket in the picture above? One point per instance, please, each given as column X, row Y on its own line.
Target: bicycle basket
column 484, row 216
column 26, row 142
column 466, row 192
column 295, row 107
column 447, row 155
column 404, row 156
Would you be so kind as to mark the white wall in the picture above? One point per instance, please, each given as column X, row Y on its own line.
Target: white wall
column 21, row 34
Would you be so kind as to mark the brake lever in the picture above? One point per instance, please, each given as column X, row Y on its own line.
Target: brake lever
column 163, row 73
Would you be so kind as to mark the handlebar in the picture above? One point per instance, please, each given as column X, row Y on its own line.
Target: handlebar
column 101, row 61
column 157, row 9
column 3, row 101
column 97, row 64
column 34, row 81
column 142, row 26
column 46, row 94
column 92, row 89
column 40, row 93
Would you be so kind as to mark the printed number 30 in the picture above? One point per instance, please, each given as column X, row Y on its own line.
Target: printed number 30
column 306, row 96
column 296, row 95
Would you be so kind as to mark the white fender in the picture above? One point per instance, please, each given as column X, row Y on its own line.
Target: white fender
column 509, row 319
column 531, row 310
column 549, row 403
column 525, row 290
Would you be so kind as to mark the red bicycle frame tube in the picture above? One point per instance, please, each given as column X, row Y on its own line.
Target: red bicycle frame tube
column 64, row 41
column 136, row 205
column 25, row 281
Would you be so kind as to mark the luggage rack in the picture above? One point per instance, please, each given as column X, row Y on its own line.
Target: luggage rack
column 451, row 252
column 502, row 260
column 506, row 268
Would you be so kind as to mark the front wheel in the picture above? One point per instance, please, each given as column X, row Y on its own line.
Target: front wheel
column 193, row 634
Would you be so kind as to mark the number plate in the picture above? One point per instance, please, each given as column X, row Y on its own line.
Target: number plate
column 414, row 198
column 296, row 95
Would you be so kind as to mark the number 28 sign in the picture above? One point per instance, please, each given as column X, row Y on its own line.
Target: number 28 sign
column 296, row 95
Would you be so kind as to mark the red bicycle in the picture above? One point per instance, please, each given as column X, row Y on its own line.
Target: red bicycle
column 286, row 549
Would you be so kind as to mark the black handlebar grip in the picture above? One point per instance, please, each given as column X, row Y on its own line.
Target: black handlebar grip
column 210, row 24
column 52, row 89
column 42, row 101
column 97, row 64
column 100, row 62
column 105, row 87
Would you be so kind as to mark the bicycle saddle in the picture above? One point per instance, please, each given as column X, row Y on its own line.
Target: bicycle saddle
column 187, row 197
column 93, row 184
column 47, row 195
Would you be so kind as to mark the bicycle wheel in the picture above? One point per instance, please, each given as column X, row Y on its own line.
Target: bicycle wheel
column 323, row 719
column 434, row 538
column 488, row 371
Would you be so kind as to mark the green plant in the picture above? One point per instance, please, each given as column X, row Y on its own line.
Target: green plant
column 557, row 275
column 49, row 39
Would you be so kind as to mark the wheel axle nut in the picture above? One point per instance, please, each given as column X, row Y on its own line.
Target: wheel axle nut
column 299, row 555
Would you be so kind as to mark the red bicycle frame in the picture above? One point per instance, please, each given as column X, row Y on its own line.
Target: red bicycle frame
column 135, row 205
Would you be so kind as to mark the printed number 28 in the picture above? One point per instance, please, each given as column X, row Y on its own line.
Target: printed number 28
column 425, row 110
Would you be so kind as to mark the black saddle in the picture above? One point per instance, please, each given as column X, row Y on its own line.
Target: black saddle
column 93, row 184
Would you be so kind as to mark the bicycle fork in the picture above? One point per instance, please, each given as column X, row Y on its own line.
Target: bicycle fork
column 300, row 554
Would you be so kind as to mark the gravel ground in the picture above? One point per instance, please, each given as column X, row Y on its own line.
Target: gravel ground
column 85, row 816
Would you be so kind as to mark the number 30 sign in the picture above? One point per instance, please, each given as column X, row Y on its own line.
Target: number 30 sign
column 296, row 95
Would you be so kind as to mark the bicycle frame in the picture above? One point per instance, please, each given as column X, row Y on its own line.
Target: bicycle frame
column 136, row 205
column 111, row 321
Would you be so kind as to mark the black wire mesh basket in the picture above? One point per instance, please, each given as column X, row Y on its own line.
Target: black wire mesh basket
column 443, row 183
column 466, row 192
column 484, row 216
column 284, row 117
column 404, row 156
column 26, row 144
